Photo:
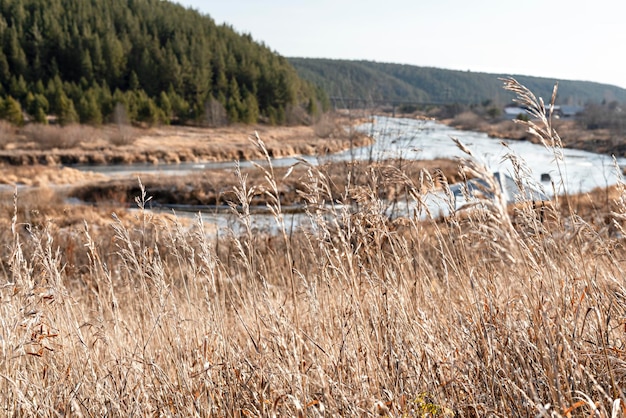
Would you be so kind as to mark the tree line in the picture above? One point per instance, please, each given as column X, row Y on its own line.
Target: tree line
column 377, row 82
column 153, row 61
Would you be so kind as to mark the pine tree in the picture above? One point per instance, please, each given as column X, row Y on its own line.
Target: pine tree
column 37, row 106
column 250, row 109
column 234, row 106
column 4, row 68
column 12, row 111
column 180, row 107
column 18, row 87
column 142, row 47
column 166, row 105
column 148, row 111
column 67, row 111
column 88, row 109
column 133, row 81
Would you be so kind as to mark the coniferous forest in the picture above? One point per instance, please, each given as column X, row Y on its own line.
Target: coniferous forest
column 150, row 61
column 372, row 82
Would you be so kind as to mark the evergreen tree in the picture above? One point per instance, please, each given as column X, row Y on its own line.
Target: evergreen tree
column 4, row 68
column 12, row 111
column 147, row 110
column 37, row 106
column 250, row 109
column 18, row 88
column 166, row 106
column 86, row 66
column 140, row 47
column 234, row 106
column 133, row 81
column 88, row 109
column 67, row 112
column 312, row 107
column 180, row 107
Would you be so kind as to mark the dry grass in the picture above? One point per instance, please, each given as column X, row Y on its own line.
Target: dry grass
column 216, row 187
column 42, row 175
column 355, row 316
column 47, row 137
column 112, row 144
column 7, row 133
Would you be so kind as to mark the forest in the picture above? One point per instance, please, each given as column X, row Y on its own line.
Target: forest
column 374, row 82
column 147, row 61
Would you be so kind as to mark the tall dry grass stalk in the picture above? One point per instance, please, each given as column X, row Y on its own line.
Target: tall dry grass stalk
column 499, row 312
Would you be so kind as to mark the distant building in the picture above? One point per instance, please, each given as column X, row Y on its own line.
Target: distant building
column 559, row 111
column 514, row 112
column 567, row 112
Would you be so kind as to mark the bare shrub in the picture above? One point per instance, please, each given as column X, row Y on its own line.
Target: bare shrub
column 468, row 120
column 326, row 127
column 7, row 133
column 215, row 114
column 296, row 115
column 48, row 137
column 123, row 133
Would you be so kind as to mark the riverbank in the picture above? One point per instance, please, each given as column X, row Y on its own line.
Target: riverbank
column 601, row 141
column 83, row 145
column 212, row 187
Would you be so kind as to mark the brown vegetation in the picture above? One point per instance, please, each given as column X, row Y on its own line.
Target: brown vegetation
column 217, row 188
column 72, row 145
column 601, row 141
column 356, row 315
column 43, row 175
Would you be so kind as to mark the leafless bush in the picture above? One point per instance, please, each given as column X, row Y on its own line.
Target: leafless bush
column 297, row 115
column 326, row 126
column 468, row 120
column 7, row 133
column 215, row 114
column 122, row 135
column 61, row 137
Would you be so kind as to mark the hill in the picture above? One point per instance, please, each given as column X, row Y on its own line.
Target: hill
column 78, row 59
column 375, row 82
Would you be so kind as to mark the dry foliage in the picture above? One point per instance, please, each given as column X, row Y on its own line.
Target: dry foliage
column 48, row 137
column 7, row 133
column 354, row 315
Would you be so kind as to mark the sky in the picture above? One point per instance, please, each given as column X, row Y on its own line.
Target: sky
column 562, row 40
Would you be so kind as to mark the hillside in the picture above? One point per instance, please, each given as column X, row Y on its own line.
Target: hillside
column 374, row 82
column 77, row 59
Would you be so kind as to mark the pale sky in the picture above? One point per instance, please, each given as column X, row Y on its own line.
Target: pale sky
column 564, row 40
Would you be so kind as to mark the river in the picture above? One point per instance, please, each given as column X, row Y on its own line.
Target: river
column 574, row 172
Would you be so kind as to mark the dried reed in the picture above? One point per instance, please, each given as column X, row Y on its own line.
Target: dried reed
column 496, row 313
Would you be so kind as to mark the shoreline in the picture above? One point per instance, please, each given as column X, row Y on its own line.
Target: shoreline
column 599, row 141
column 169, row 144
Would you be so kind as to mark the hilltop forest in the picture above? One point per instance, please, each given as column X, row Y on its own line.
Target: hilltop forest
column 370, row 83
column 151, row 61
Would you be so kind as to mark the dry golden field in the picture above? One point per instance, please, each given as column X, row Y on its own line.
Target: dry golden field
column 499, row 312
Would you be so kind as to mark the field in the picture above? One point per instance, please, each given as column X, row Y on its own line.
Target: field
column 497, row 311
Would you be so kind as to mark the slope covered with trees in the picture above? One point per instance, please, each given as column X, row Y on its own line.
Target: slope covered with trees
column 152, row 60
column 375, row 82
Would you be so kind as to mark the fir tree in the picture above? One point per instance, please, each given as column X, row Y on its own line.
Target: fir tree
column 12, row 111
